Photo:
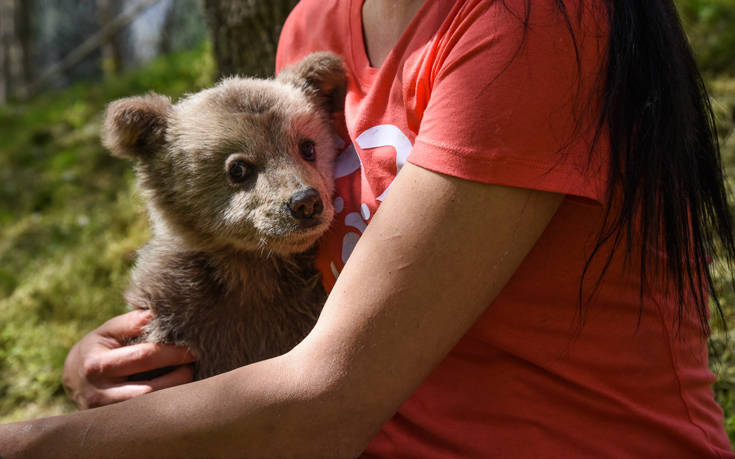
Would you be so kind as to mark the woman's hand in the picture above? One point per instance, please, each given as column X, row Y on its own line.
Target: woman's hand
column 97, row 368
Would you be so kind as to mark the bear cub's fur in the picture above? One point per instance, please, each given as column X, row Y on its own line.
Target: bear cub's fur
column 238, row 181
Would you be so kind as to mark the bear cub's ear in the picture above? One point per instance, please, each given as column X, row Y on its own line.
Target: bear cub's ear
column 135, row 127
column 322, row 75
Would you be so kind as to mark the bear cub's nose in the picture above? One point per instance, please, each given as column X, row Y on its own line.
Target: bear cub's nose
column 305, row 204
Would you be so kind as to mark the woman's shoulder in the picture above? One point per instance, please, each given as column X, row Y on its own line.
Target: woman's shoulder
column 313, row 25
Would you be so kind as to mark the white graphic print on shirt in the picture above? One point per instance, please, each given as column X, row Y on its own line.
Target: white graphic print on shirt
column 348, row 161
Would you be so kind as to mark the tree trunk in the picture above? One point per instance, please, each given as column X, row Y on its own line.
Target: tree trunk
column 23, row 10
column 167, row 30
column 4, row 43
column 15, row 44
column 112, row 61
column 245, row 34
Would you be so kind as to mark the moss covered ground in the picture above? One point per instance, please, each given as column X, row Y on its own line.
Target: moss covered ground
column 70, row 222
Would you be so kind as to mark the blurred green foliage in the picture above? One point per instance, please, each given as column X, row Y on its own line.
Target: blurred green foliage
column 722, row 354
column 70, row 223
column 710, row 26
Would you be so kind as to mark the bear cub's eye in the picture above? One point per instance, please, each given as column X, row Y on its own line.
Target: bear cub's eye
column 308, row 150
column 238, row 171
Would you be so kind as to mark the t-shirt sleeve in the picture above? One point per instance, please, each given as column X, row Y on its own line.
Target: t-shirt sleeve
column 508, row 103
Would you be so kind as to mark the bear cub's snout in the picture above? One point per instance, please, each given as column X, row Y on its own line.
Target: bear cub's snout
column 238, row 182
column 306, row 205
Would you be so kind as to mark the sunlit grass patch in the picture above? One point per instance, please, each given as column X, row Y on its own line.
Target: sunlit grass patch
column 70, row 222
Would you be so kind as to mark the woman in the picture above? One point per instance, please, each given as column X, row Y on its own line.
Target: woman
column 533, row 285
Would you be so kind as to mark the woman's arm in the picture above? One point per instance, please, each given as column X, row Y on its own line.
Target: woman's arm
column 434, row 256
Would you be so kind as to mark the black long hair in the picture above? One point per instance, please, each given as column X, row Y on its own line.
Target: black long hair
column 665, row 157
column 665, row 172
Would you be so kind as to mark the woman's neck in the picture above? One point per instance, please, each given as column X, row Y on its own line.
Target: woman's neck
column 383, row 22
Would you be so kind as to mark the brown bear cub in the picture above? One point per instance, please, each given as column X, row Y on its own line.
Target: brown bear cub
column 238, row 181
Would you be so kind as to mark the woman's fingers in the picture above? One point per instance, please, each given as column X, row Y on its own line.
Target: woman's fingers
column 97, row 368
column 182, row 375
column 125, row 326
column 113, row 394
column 137, row 358
column 127, row 390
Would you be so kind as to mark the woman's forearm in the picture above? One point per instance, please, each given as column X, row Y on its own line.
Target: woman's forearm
column 216, row 417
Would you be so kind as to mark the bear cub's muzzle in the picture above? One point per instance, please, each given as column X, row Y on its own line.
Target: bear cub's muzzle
column 306, row 206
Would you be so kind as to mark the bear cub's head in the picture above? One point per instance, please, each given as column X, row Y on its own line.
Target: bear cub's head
column 245, row 165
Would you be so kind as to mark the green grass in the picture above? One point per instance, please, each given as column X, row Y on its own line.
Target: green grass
column 70, row 223
column 723, row 104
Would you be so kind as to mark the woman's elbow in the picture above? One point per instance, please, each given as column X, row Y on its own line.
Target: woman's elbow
column 335, row 420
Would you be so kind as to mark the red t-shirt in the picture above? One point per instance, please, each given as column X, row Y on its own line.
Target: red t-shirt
column 467, row 91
